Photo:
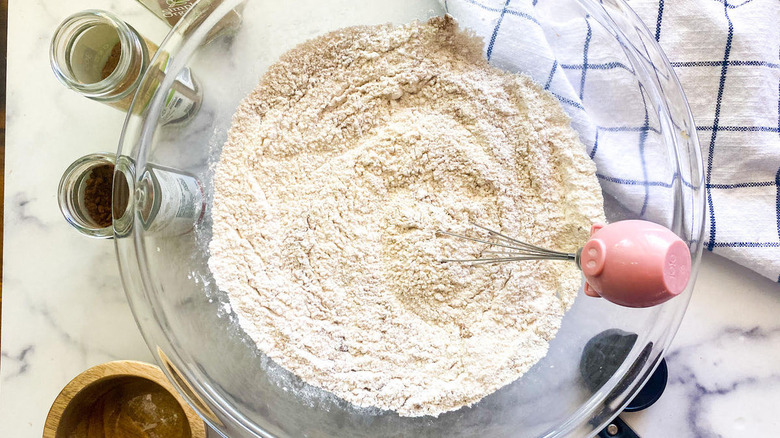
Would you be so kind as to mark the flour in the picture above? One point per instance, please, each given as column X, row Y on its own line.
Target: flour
column 340, row 167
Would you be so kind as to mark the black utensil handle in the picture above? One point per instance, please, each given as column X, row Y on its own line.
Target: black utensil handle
column 618, row 428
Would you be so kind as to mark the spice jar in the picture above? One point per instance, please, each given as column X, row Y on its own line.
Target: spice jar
column 95, row 195
column 171, row 11
column 168, row 201
column 85, row 195
column 100, row 56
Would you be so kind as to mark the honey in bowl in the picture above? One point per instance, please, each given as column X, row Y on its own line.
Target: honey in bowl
column 123, row 399
column 135, row 408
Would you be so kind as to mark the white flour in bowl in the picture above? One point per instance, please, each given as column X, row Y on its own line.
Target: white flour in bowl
column 340, row 167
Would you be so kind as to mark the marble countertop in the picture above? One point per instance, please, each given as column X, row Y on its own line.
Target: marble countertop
column 64, row 309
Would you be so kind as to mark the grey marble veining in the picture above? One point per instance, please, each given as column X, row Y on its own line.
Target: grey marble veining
column 63, row 306
column 64, row 309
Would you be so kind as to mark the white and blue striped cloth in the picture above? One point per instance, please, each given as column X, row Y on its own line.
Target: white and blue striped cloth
column 726, row 54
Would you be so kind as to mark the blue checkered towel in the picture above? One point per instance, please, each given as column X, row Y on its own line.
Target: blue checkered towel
column 726, row 54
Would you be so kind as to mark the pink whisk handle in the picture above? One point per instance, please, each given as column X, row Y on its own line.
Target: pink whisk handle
column 635, row 263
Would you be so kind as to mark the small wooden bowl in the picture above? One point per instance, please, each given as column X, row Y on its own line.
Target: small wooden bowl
column 89, row 405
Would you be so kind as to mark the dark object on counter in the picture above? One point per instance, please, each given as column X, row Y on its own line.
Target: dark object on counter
column 651, row 391
column 617, row 429
column 603, row 355
column 97, row 194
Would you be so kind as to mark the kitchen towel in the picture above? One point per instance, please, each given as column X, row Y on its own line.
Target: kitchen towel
column 726, row 54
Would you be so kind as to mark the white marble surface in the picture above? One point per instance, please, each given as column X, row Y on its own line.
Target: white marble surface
column 64, row 309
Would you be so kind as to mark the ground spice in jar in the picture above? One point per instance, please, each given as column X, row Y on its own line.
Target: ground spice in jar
column 113, row 60
column 97, row 194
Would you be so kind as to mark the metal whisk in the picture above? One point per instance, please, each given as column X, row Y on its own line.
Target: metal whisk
column 511, row 250
column 633, row 263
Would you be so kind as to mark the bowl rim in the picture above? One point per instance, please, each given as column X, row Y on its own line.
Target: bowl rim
column 591, row 417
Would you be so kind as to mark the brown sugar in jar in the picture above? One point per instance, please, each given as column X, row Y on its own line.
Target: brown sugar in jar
column 112, row 61
column 97, row 194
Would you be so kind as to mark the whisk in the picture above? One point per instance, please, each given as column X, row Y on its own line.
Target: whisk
column 632, row 263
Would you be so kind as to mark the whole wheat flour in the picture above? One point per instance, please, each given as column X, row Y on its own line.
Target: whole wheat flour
column 340, row 167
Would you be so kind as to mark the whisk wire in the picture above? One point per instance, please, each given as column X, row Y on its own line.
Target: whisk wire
column 481, row 261
column 512, row 250
column 473, row 239
column 518, row 243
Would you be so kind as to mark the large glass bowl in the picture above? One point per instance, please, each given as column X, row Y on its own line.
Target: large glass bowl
column 187, row 322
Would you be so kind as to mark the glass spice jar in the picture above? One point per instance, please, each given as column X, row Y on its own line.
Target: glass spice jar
column 85, row 195
column 168, row 201
column 171, row 11
column 100, row 56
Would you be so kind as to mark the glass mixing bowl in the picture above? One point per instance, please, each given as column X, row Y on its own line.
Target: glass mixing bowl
column 187, row 322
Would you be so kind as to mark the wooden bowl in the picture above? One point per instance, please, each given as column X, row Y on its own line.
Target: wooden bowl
column 123, row 399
